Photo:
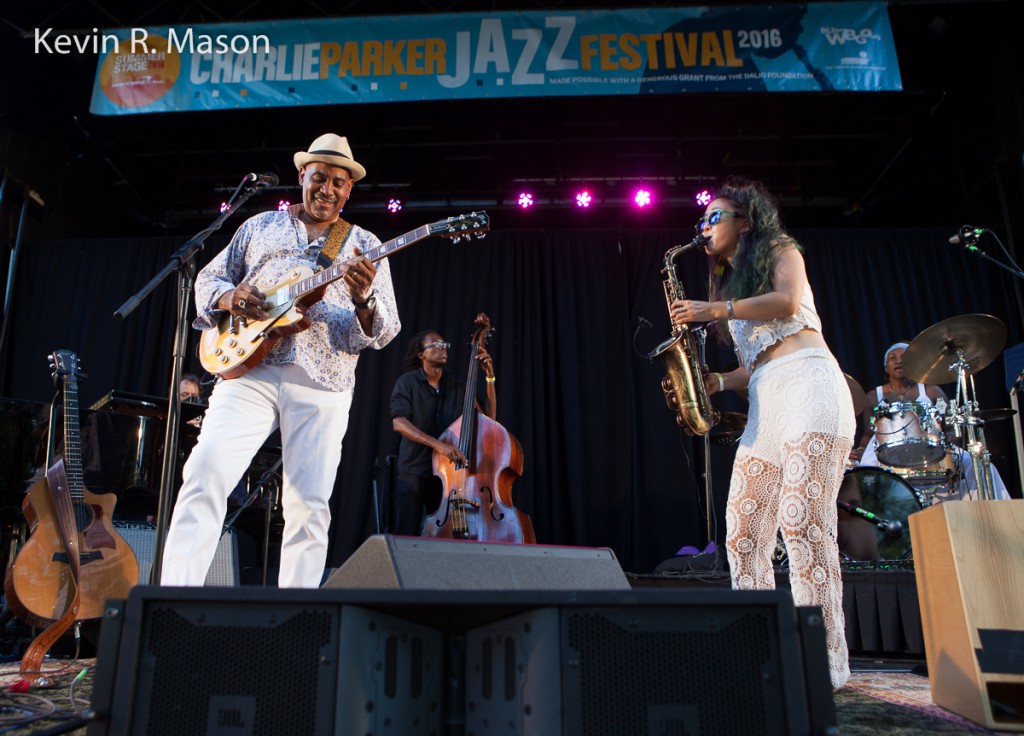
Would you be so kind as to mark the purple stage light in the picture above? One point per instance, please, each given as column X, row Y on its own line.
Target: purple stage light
column 283, row 204
column 703, row 197
column 525, row 200
column 583, row 199
column 642, row 198
column 394, row 205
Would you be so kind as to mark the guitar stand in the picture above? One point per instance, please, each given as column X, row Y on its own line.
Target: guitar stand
column 269, row 481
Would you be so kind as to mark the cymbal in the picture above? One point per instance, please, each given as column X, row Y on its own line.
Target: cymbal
column 729, row 427
column 980, row 337
column 994, row 415
column 860, row 399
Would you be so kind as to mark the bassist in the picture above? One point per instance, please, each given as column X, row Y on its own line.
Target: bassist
column 303, row 384
column 425, row 400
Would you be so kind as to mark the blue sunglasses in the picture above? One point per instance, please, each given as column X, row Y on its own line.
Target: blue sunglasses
column 714, row 217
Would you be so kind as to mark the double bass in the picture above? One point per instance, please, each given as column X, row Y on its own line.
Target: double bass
column 476, row 501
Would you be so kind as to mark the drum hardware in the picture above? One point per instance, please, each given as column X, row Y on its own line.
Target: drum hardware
column 961, row 345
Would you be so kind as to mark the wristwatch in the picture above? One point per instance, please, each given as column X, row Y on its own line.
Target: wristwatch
column 370, row 303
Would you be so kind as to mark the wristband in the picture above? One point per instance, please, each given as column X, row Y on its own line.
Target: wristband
column 491, row 379
column 728, row 309
column 721, row 381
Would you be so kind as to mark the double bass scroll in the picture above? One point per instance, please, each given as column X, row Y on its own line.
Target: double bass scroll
column 476, row 500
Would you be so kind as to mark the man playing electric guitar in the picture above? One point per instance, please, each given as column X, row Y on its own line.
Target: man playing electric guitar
column 303, row 384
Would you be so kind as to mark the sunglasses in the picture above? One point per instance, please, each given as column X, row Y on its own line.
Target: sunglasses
column 437, row 344
column 714, row 217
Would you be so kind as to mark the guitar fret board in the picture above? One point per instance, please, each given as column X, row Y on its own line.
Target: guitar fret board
column 333, row 273
column 72, row 441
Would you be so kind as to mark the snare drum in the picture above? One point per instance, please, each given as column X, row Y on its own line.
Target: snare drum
column 943, row 471
column 887, row 496
column 908, row 434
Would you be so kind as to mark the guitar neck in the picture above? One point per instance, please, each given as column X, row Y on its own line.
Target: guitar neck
column 72, row 442
column 335, row 271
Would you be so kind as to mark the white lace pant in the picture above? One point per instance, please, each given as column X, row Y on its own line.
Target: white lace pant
column 787, row 473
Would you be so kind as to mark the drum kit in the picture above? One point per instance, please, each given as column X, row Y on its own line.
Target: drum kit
column 922, row 445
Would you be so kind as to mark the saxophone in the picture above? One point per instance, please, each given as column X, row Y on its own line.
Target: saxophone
column 683, row 383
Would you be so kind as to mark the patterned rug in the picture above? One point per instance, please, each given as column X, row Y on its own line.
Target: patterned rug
column 895, row 703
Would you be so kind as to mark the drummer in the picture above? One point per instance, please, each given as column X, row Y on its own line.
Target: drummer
column 898, row 388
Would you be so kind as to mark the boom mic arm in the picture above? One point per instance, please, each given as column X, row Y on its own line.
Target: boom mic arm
column 891, row 527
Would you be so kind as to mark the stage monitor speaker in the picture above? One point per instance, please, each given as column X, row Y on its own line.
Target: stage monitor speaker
column 266, row 662
column 422, row 563
column 967, row 555
column 142, row 539
column 262, row 662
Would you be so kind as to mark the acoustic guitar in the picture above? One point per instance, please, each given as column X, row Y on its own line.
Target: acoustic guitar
column 40, row 583
column 234, row 346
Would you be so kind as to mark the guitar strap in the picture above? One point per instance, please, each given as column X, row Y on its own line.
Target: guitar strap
column 60, row 495
column 339, row 234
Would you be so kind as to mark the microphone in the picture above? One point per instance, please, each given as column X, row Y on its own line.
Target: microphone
column 891, row 528
column 966, row 236
column 263, row 180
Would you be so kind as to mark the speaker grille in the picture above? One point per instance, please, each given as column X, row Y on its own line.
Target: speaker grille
column 142, row 539
column 662, row 672
column 213, row 669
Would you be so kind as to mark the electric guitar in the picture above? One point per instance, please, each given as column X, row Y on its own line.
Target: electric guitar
column 40, row 584
column 235, row 345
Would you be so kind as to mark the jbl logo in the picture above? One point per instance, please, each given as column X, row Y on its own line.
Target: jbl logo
column 232, row 715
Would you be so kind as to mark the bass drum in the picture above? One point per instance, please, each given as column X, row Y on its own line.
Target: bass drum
column 885, row 495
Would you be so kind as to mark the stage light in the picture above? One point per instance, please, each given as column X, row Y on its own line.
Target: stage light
column 703, row 198
column 642, row 198
column 525, row 200
column 283, row 204
column 583, row 199
column 224, row 207
column 394, row 205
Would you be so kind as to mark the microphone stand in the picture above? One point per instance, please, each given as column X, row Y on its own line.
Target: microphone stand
column 970, row 244
column 700, row 334
column 182, row 262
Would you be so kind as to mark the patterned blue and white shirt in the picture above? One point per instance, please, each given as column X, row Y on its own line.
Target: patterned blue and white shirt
column 262, row 252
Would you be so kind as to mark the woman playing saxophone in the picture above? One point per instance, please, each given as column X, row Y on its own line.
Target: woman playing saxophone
column 801, row 424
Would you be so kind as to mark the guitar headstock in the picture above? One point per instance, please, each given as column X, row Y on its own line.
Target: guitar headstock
column 475, row 224
column 66, row 366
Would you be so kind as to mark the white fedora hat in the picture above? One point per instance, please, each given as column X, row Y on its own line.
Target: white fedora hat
column 331, row 149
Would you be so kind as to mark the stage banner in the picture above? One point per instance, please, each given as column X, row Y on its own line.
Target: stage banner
column 781, row 48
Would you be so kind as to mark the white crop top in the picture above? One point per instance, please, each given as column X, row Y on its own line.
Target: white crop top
column 753, row 336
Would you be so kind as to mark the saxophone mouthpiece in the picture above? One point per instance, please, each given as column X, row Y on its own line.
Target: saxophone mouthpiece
column 697, row 242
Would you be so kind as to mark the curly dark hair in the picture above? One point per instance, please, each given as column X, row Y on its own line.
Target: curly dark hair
column 412, row 352
column 750, row 272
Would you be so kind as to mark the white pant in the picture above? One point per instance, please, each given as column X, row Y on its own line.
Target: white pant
column 242, row 414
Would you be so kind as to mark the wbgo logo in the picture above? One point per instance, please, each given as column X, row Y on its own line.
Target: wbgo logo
column 841, row 36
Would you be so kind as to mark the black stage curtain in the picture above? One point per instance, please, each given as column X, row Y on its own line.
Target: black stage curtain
column 575, row 314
